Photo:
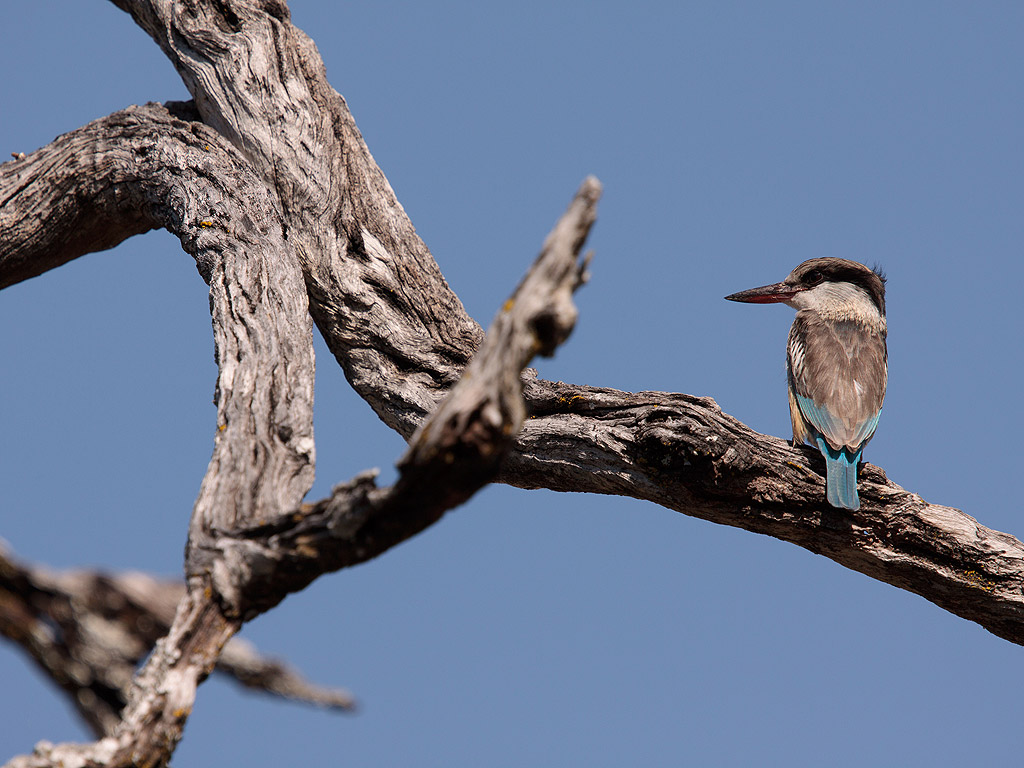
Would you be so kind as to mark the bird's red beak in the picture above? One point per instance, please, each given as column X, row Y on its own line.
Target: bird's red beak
column 766, row 294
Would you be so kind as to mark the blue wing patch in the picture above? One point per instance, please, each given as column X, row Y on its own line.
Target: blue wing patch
column 822, row 420
column 819, row 417
column 840, row 463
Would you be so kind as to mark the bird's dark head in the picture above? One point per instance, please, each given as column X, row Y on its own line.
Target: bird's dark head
column 815, row 272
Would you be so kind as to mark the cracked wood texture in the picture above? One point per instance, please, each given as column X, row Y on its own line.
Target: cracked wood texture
column 457, row 450
column 268, row 183
column 399, row 332
column 144, row 168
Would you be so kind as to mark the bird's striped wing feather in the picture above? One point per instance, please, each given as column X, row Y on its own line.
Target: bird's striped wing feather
column 837, row 372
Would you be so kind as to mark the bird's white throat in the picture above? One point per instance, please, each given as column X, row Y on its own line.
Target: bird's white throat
column 840, row 301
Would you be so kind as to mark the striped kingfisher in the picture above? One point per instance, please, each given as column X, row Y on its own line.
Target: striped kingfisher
column 836, row 362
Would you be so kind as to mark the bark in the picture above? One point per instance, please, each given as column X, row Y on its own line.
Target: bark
column 239, row 565
column 143, row 168
column 457, row 450
column 269, row 184
column 377, row 295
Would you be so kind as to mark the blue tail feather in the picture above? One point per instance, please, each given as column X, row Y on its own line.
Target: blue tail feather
column 841, row 475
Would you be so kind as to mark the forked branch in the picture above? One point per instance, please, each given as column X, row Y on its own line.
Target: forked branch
column 238, row 572
column 269, row 147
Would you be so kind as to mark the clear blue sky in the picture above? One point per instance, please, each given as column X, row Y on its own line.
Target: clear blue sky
column 734, row 141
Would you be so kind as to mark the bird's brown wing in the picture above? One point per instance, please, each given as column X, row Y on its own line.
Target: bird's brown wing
column 837, row 377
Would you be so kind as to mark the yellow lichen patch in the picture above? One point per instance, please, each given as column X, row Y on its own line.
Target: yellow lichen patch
column 979, row 581
column 182, row 712
column 801, row 468
column 509, row 303
column 570, row 400
column 205, row 223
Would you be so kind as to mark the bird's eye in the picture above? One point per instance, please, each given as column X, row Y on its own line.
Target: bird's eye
column 813, row 277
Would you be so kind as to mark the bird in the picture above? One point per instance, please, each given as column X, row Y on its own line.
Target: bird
column 836, row 362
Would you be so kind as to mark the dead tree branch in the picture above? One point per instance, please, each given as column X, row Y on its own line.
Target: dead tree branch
column 457, row 451
column 271, row 188
column 89, row 630
column 372, row 273
column 239, row 566
column 145, row 168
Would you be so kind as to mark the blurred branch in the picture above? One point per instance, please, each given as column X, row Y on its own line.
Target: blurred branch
column 244, row 663
column 89, row 630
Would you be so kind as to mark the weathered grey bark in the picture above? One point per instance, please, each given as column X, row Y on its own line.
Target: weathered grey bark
column 238, row 563
column 267, row 175
column 144, row 168
column 377, row 295
column 458, row 449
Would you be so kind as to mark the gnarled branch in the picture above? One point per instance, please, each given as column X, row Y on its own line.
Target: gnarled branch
column 373, row 273
column 251, row 566
column 278, row 188
column 149, row 169
column 459, row 448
